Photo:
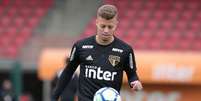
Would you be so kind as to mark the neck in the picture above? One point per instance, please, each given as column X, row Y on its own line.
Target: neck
column 104, row 42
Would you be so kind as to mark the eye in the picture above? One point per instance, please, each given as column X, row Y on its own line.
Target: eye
column 110, row 27
column 102, row 26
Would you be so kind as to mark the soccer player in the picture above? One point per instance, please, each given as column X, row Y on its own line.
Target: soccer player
column 102, row 59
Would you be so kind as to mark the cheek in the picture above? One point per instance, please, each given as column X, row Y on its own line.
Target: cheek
column 115, row 27
column 99, row 30
column 112, row 31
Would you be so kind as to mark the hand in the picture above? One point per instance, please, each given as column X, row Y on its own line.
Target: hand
column 136, row 85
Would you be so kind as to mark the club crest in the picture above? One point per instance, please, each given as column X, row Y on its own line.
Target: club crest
column 114, row 60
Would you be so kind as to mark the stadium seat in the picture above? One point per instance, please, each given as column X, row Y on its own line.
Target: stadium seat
column 159, row 24
column 18, row 20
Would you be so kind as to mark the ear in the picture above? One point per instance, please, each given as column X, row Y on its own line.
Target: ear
column 96, row 21
column 116, row 20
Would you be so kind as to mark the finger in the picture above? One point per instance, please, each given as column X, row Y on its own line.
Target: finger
column 138, row 86
column 134, row 87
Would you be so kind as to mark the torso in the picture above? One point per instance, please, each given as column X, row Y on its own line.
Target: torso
column 100, row 66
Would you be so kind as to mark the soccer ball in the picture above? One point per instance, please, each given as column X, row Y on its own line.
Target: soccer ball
column 107, row 94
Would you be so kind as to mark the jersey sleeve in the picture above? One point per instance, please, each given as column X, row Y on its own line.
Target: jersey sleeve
column 130, row 66
column 67, row 73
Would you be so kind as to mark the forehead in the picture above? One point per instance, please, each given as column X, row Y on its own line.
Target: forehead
column 108, row 22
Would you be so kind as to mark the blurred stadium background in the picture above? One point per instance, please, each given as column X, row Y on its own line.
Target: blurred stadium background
column 36, row 36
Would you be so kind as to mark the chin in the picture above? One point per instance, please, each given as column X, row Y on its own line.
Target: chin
column 106, row 38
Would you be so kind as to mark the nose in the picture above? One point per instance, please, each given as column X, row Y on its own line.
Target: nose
column 106, row 30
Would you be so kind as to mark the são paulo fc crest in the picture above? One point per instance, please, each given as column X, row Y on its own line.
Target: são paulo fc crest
column 114, row 60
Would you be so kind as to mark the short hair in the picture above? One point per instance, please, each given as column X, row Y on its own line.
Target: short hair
column 107, row 12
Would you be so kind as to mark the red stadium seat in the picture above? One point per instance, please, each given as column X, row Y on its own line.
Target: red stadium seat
column 166, row 24
column 12, row 12
column 5, row 21
column 156, row 24
column 33, row 22
column 150, row 5
column 172, row 14
column 193, row 5
column 186, row 15
column 164, row 5
column 136, row 4
column 169, row 44
column 25, row 12
column 181, row 25
column 138, row 24
column 39, row 12
column 152, row 24
column 5, row 2
column 18, row 20
column 196, row 45
column 194, row 25
column 146, row 34
column 144, row 15
column 178, row 5
column 1, row 10
column 154, row 43
column 184, row 44
column 158, row 15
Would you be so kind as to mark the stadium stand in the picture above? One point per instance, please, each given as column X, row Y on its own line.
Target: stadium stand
column 158, row 24
column 18, row 19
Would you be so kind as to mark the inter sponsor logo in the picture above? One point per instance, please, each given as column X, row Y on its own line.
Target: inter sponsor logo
column 117, row 50
column 95, row 72
column 87, row 46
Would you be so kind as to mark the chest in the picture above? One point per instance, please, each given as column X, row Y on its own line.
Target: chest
column 102, row 56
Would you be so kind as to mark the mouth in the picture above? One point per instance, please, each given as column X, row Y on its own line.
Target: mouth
column 105, row 34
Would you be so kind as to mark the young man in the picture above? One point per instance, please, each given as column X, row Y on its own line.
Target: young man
column 102, row 59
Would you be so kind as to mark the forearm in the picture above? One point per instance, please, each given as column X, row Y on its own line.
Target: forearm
column 133, row 76
column 64, row 79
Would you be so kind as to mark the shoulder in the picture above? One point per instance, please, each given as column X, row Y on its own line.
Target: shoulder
column 88, row 40
column 123, row 45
